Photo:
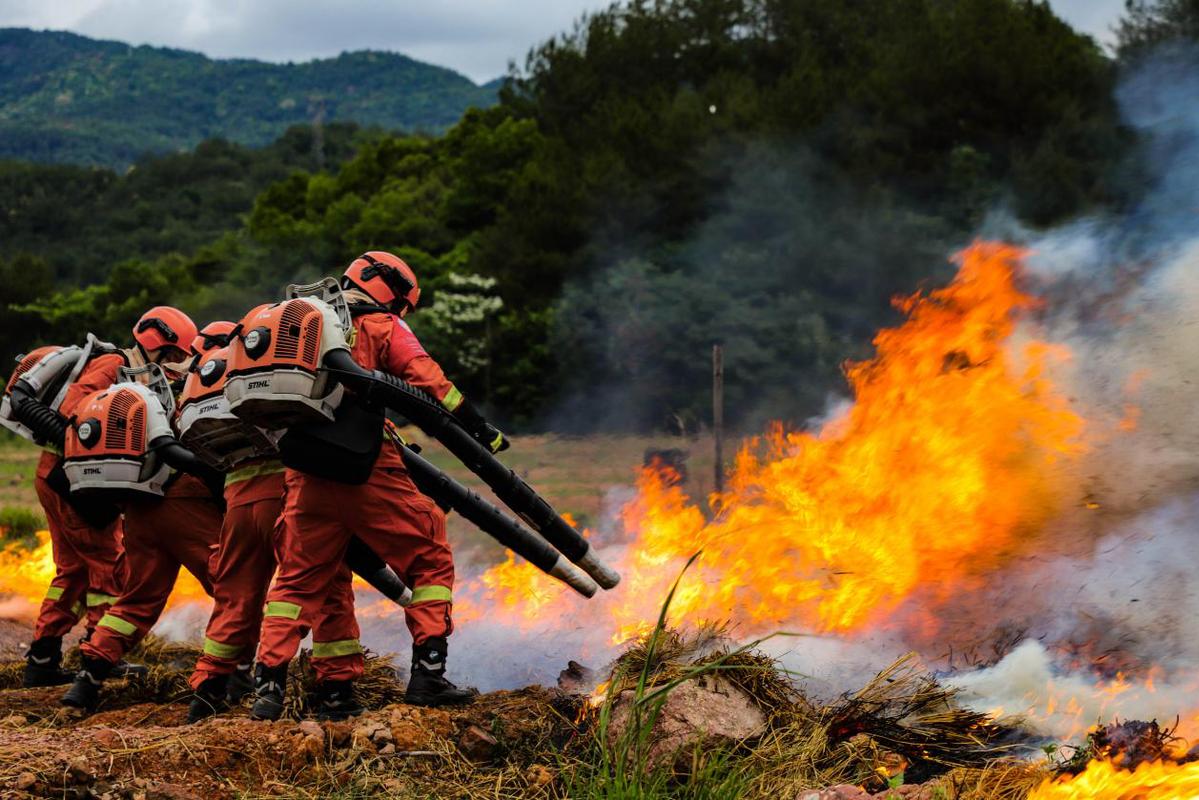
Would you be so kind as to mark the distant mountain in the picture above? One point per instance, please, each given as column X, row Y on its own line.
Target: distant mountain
column 68, row 98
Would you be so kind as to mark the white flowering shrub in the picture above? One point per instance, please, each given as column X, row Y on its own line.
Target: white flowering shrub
column 458, row 321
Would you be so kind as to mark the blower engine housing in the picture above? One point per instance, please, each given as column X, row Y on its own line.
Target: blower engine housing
column 108, row 441
column 208, row 427
column 275, row 378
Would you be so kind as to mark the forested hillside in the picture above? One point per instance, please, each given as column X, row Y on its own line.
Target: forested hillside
column 67, row 98
column 667, row 175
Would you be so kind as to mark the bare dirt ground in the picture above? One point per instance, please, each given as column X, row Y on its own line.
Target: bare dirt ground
column 137, row 749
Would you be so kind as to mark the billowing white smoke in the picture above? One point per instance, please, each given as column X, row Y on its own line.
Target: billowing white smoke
column 1118, row 583
column 1062, row 706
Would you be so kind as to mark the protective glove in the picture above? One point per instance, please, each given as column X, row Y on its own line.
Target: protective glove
column 492, row 438
column 483, row 431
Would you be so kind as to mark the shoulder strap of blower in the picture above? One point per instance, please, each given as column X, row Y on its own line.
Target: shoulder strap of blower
column 84, row 355
column 92, row 347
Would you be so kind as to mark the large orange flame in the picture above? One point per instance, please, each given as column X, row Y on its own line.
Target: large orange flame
column 945, row 458
column 1102, row 780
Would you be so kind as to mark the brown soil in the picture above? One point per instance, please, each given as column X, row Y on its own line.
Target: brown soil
column 147, row 751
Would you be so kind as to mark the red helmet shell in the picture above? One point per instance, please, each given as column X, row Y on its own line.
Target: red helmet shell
column 214, row 334
column 385, row 277
column 164, row 326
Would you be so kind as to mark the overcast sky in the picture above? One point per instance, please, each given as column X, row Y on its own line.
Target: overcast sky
column 476, row 37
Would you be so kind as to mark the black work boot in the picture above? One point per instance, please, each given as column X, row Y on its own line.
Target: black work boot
column 208, row 699
column 334, row 701
column 241, row 683
column 123, row 668
column 427, row 685
column 270, row 685
column 43, row 664
column 84, row 693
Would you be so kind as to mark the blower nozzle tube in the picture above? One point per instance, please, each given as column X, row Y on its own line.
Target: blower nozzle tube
column 367, row 564
column 448, row 493
column 430, row 417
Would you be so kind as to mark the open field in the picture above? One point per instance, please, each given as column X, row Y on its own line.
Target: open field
column 18, row 460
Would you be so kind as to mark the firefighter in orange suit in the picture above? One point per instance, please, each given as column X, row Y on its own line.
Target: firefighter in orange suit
column 161, row 534
column 88, row 557
column 241, row 573
column 388, row 513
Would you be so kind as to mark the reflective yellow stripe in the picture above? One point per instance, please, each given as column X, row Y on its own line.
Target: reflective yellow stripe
column 117, row 624
column 452, row 399
column 425, row 594
column 245, row 473
column 344, row 647
column 77, row 609
column 54, row 593
column 277, row 608
column 220, row 650
column 96, row 599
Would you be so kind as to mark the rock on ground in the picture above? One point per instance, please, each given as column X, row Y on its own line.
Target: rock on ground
column 706, row 711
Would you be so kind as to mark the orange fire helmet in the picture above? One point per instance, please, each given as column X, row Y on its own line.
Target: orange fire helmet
column 164, row 326
column 385, row 277
column 212, row 335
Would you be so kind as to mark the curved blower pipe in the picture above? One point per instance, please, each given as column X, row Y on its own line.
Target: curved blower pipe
column 184, row 460
column 46, row 424
column 50, row 428
column 448, row 493
column 435, row 421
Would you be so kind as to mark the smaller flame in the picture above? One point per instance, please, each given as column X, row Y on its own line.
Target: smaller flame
column 1157, row 780
column 599, row 694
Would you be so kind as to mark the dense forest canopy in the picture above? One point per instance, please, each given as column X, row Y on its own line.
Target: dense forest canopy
column 65, row 97
column 764, row 173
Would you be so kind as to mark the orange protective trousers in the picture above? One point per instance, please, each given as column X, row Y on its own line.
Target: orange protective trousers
column 241, row 573
column 160, row 536
column 88, row 563
column 393, row 518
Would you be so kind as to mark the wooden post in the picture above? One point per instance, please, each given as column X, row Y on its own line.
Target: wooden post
column 718, row 413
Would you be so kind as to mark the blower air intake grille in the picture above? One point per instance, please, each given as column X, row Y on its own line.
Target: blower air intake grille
column 312, row 337
column 287, row 345
column 118, row 419
column 138, row 443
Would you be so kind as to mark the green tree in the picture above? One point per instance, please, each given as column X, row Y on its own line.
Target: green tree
column 1147, row 24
